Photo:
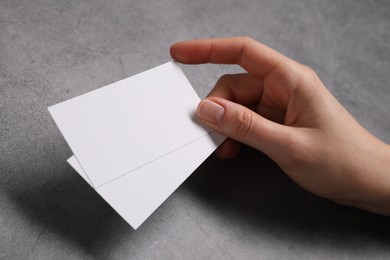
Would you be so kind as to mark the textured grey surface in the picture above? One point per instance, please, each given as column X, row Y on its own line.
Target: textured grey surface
column 52, row 50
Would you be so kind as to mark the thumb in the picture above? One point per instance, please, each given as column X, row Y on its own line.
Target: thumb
column 242, row 124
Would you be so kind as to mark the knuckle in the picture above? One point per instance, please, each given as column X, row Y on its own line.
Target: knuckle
column 308, row 74
column 242, row 124
column 245, row 38
column 303, row 78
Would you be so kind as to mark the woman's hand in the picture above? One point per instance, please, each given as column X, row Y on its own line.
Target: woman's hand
column 282, row 108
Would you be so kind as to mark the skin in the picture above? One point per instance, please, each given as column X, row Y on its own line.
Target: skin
column 281, row 108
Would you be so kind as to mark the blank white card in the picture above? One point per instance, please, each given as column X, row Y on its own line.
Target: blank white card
column 135, row 141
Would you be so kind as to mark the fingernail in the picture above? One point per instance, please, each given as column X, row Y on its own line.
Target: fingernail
column 210, row 111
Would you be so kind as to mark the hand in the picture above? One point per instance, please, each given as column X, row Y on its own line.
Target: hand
column 282, row 108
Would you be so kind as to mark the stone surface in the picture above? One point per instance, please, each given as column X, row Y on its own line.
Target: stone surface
column 52, row 50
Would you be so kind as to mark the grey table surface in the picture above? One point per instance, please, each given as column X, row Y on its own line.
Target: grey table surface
column 246, row 208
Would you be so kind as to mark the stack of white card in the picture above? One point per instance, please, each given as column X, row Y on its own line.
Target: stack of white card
column 136, row 140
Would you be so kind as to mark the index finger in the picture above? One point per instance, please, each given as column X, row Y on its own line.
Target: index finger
column 256, row 58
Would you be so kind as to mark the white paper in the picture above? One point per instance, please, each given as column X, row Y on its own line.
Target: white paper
column 137, row 195
column 118, row 128
column 135, row 141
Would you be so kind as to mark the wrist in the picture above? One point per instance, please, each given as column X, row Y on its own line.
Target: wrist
column 372, row 192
